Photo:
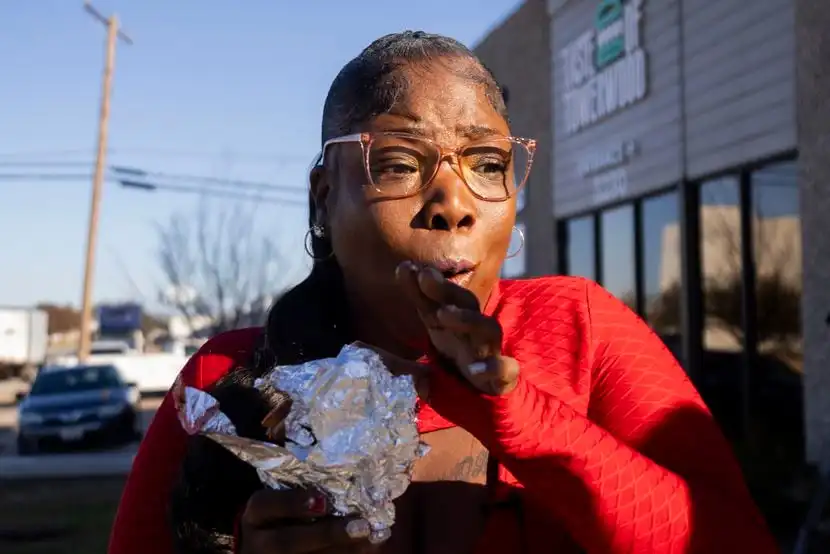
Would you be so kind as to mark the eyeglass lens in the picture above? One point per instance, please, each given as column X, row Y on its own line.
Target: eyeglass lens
column 400, row 165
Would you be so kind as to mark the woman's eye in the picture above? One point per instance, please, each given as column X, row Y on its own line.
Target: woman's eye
column 395, row 167
column 490, row 166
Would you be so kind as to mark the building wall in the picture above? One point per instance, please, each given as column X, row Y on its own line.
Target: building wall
column 813, row 100
column 517, row 51
column 651, row 125
column 737, row 100
column 738, row 73
column 719, row 93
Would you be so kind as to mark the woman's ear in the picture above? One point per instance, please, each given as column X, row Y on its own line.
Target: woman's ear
column 320, row 188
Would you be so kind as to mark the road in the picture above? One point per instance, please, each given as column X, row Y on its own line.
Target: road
column 106, row 462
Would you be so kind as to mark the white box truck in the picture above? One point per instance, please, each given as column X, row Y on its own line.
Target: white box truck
column 24, row 338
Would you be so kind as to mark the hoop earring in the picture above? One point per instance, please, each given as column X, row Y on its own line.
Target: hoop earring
column 319, row 232
column 521, row 244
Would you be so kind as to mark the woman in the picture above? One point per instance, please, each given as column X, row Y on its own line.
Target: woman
column 558, row 422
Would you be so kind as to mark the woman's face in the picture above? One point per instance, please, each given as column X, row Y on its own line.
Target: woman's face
column 444, row 225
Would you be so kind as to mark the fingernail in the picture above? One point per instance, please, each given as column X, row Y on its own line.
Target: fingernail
column 317, row 504
column 381, row 536
column 477, row 368
column 358, row 529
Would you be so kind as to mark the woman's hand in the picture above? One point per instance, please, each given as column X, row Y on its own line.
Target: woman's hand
column 298, row 521
column 458, row 330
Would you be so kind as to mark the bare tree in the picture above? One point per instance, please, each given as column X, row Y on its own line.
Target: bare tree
column 777, row 296
column 220, row 272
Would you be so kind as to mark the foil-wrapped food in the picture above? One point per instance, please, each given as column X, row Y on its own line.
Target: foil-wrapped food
column 350, row 433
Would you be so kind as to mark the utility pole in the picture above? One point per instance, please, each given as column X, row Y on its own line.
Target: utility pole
column 113, row 34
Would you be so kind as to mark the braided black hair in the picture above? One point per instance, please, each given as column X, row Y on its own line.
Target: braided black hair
column 311, row 320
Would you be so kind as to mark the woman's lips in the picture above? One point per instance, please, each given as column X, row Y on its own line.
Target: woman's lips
column 458, row 270
column 461, row 279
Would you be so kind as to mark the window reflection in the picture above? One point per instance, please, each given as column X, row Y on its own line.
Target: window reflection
column 580, row 247
column 721, row 382
column 617, row 259
column 662, row 267
column 776, row 371
column 776, row 229
column 720, row 252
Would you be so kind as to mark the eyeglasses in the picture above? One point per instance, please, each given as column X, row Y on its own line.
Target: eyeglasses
column 399, row 165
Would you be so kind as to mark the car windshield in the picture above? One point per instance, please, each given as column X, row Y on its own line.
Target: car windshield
column 77, row 379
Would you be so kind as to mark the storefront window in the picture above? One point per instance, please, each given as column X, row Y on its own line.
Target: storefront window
column 722, row 378
column 777, row 368
column 618, row 272
column 776, row 229
column 720, row 253
column 581, row 255
column 662, row 280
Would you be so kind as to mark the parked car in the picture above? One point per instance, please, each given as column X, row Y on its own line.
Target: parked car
column 71, row 405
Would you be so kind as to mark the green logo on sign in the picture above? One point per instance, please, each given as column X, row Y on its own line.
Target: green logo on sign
column 610, row 32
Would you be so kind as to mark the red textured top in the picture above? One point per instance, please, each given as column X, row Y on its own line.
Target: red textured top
column 611, row 443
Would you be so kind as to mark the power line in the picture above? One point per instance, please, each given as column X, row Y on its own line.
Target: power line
column 260, row 157
column 154, row 177
column 159, row 175
column 250, row 157
column 119, row 261
column 37, row 164
column 45, row 176
column 211, row 192
column 48, row 153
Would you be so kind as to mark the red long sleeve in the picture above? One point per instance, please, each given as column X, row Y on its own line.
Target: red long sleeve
column 604, row 432
column 646, row 470
column 141, row 525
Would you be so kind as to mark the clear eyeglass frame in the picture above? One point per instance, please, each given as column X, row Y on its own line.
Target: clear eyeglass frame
column 453, row 154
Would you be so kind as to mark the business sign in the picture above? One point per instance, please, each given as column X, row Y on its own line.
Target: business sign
column 605, row 68
column 119, row 318
column 605, row 167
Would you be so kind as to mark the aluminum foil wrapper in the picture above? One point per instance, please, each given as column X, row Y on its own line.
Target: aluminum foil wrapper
column 351, row 433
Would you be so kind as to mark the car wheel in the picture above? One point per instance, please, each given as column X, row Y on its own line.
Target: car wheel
column 26, row 447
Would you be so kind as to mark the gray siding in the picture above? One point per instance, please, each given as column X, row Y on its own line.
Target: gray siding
column 517, row 52
column 653, row 123
column 813, row 70
column 739, row 92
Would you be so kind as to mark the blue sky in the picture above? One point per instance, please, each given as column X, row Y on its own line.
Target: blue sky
column 216, row 88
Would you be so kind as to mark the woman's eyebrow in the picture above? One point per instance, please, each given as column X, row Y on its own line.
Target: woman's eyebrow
column 412, row 129
column 477, row 131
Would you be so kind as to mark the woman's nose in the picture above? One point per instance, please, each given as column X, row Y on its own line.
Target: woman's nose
column 449, row 203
